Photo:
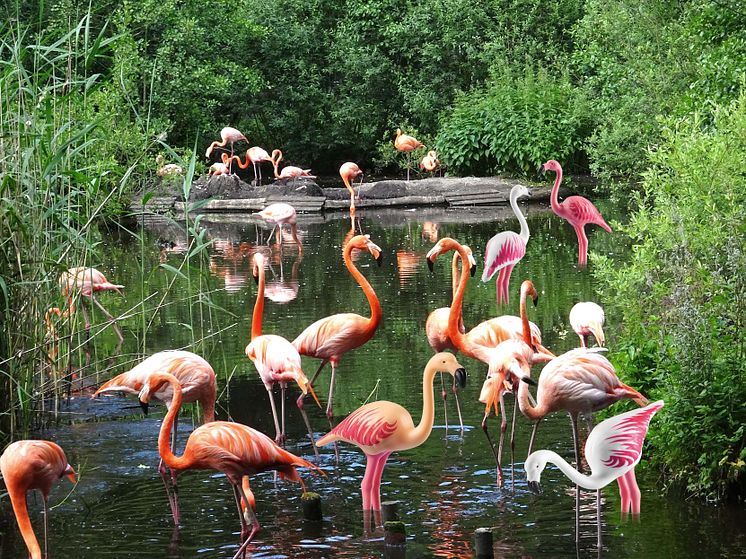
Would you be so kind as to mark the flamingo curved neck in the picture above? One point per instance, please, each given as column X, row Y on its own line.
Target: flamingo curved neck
column 425, row 426
column 460, row 340
column 375, row 306
column 164, row 436
column 256, row 319
column 20, row 509
column 276, row 162
column 593, row 481
column 524, row 234
column 556, row 207
column 533, row 413
column 454, row 287
column 524, row 319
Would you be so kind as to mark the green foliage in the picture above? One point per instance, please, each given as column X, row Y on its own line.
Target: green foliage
column 514, row 124
column 682, row 299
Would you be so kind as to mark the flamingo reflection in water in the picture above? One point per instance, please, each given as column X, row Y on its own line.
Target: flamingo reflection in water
column 283, row 290
column 230, row 262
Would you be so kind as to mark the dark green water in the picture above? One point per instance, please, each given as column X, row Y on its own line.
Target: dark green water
column 446, row 486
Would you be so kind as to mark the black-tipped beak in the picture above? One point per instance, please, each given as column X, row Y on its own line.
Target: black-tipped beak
column 529, row 380
column 536, row 300
column 541, row 170
column 379, row 260
column 473, row 271
column 535, row 487
column 460, row 377
column 430, row 264
column 144, row 406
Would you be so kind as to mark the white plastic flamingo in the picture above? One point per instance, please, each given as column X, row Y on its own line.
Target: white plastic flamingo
column 586, row 319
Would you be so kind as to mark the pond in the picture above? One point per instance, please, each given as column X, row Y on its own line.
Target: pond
column 446, row 486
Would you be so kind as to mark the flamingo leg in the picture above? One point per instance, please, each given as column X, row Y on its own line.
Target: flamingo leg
column 624, row 493
column 46, row 527
column 310, row 382
column 365, row 485
column 582, row 244
column 278, row 432
column 633, row 492
column 111, row 318
column 503, row 428
column 375, row 492
column 598, row 518
column 255, row 174
column 494, row 452
column 445, row 408
column 271, row 234
column 244, row 526
column 576, row 445
column 330, row 404
column 282, row 392
column 255, row 527
column 512, row 443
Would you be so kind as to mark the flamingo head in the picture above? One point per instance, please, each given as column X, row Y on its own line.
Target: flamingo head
column 550, row 165
column 363, row 242
column 446, row 363
column 304, row 385
column 534, row 465
column 528, row 288
column 521, row 191
column 70, row 473
column 472, row 261
column 155, row 381
column 349, row 171
column 443, row 246
column 257, row 265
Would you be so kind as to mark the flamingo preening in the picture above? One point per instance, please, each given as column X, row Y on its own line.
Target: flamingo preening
column 288, row 172
column 349, row 172
column 588, row 318
column 406, row 144
column 430, row 162
column 380, row 428
column 331, row 337
column 254, row 156
column 506, row 249
column 578, row 211
column 29, row 465
column 236, row 450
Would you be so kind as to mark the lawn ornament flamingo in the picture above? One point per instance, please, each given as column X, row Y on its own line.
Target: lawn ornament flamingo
column 280, row 214
column 254, row 156
column 230, row 136
column 586, row 319
column 289, row 172
column 506, row 249
column 578, row 211
column 380, row 428
column 331, row 337
column 276, row 359
column 612, row 451
column 236, row 450
column 29, row 465
column 406, row 144
column 349, row 172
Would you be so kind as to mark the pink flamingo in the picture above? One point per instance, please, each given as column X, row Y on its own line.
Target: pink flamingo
column 280, row 214
column 196, row 378
column 430, row 162
column 254, row 156
column 612, row 451
column 380, row 428
column 406, row 144
column 288, row 172
column 349, row 172
column 220, row 168
column 331, row 337
column 227, row 135
column 436, row 328
column 576, row 210
column 506, row 249
column 84, row 282
column 276, row 359
column 236, row 450
column 586, row 319
column 29, row 465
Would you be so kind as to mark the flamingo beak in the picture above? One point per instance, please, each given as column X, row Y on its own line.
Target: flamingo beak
column 144, row 406
column 535, row 487
column 473, row 270
column 528, row 380
column 541, row 170
column 316, row 399
column 460, row 377
column 70, row 473
column 535, row 299
column 430, row 264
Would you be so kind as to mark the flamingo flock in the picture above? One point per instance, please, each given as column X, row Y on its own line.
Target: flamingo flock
column 579, row 382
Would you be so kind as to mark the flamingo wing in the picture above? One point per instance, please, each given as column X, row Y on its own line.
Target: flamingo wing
column 273, row 355
column 368, row 426
column 616, row 443
column 583, row 211
column 504, row 249
column 278, row 212
column 331, row 336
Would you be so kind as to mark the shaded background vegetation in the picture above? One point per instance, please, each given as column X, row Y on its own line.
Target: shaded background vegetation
column 639, row 93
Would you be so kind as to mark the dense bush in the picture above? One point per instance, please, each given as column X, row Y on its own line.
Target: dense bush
column 683, row 303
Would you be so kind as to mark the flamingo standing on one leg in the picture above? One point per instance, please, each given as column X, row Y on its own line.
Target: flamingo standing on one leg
column 84, row 282
column 430, row 162
column 227, row 135
column 436, row 328
column 406, row 144
column 280, row 213
column 331, row 337
column 612, row 451
column 254, row 156
column 29, row 465
column 506, row 249
column 576, row 210
column 349, row 172
column 198, row 384
column 276, row 359
column 380, row 428
column 586, row 319
column 288, row 172
column 231, row 448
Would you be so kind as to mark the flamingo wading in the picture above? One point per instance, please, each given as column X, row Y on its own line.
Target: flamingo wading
column 349, row 172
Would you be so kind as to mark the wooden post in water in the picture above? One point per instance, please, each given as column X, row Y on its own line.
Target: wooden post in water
column 483, row 543
column 395, row 533
column 311, row 503
column 389, row 511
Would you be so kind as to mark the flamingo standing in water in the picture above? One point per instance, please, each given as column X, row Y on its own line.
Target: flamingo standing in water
column 586, row 319
column 380, row 428
column 254, row 156
column 576, row 210
column 196, row 378
column 228, row 135
column 612, row 451
column 276, row 359
column 506, row 249
column 29, row 465
column 289, row 172
column 331, row 337
column 430, row 162
column 406, row 144
column 231, row 448
column 349, row 172
column 84, row 282
column 436, row 328
column 280, row 213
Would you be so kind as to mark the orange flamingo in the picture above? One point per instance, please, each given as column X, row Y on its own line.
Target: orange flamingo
column 280, row 214
column 83, row 282
column 406, row 144
column 222, row 168
column 29, row 465
column 331, row 337
column 436, row 327
column 586, row 319
column 288, row 172
column 231, row 448
column 380, row 428
column 227, row 135
column 349, row 171
column 578, row 211
column 430, row 162
column 276, row 359
column 196, row 378
column 254, row 156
